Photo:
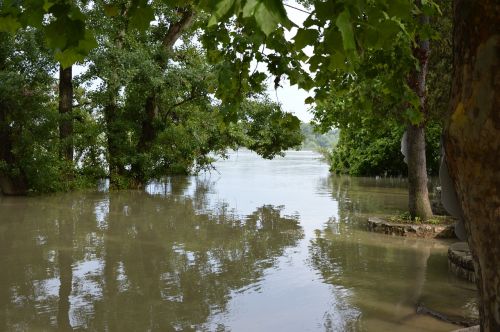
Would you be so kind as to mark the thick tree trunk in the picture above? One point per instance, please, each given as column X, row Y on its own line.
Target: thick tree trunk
column 472, row 143
column 418, row 195
column 65, row 112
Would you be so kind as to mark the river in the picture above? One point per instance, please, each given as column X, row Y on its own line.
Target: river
column 256, row 245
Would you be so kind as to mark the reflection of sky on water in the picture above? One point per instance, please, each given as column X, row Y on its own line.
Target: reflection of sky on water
column 291, row 290
column 291, row 182
column 101, row 213
column 86, row 289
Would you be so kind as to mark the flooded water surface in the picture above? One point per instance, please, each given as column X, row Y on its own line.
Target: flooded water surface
column 257, row 245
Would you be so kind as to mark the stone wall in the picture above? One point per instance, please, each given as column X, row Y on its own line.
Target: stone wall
column 460, row 261
column 411, row 230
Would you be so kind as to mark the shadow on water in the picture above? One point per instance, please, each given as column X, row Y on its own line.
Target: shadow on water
column 132, row 260
column 385, row 277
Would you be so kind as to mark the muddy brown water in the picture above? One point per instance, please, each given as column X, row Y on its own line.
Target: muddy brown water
column 258, row 245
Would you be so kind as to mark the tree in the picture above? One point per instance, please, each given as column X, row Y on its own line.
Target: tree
column 373, row 148
column 418, row 195
column 369, row 146
column 66, row 113
column 472, row 142
column 28, row 118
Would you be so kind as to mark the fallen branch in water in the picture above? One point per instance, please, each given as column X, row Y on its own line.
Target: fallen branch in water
column 462, row 321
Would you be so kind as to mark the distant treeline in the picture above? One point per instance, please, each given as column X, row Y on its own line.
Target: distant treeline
column 316, row 141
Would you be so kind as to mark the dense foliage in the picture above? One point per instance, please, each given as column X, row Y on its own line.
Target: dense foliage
column 141, row 108
column 371, row 116
column 28, row 117
column 369, row 150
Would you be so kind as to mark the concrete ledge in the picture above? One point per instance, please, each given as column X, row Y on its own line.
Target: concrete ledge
column 411, row 230
column 460, row 261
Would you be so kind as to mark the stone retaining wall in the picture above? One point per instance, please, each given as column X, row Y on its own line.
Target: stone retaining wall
column 411, row 230
column 460, row 261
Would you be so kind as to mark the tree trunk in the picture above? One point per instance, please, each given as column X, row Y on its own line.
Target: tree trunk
column 65, row 112
column 115, row 137
column 472, row 143
column 9, row 184
column 418, row 195
column 146, row 138
column 148, row 130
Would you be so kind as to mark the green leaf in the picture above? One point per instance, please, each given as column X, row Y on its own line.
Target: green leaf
column 9, row 24
column 269, row 14
column 33, row 18
column 315, row 61
column 47, row 4
column 333, row 40
column 71, row 55
column 337, row 61
column 111, row 10
column 141, row 18
column 64, row 33
column 399, row 8
column 265, row 19
column 309, row 100
column 56, row 39
column 305, row 37
column 68, row 57
column 249, row 8
column 277, row 8
column 88, row 43
column 324, row 10
column 387, row 31
column 343, row 22
column 221, row 9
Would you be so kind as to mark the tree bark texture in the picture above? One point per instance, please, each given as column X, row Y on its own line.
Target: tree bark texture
column 65, row 112
column 418, row 195
column 472, row 143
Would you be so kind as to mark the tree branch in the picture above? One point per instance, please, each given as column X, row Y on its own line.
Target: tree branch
column 175, row 30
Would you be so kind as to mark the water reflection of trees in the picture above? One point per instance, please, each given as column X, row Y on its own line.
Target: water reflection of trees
column 132, row 261
column 386, row 277
column 359, row 196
